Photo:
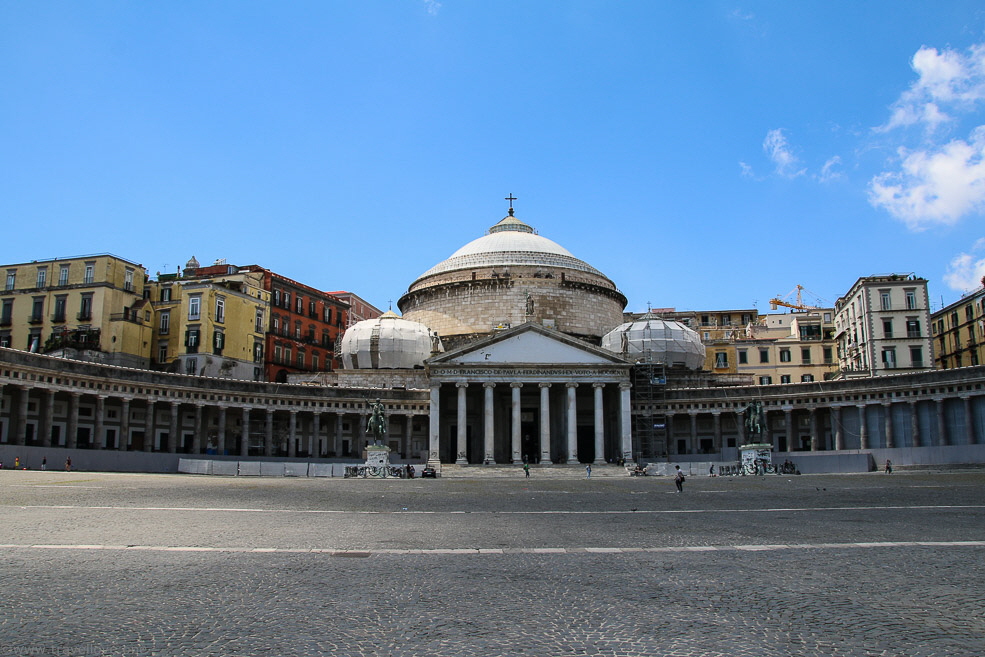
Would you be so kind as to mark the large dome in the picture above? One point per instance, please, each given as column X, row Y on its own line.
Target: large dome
column 656, row 341
column 387, row 342
column 507, row 277
column 510, row 242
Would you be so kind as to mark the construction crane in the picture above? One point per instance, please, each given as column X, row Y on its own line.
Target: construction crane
column 799, row 305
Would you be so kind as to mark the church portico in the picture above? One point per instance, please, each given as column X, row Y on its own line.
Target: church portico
column 528, row 394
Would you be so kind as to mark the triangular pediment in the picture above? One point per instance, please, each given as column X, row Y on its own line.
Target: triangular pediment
column 528, row 344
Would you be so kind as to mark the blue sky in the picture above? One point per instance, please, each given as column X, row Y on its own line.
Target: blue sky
column 702, row 154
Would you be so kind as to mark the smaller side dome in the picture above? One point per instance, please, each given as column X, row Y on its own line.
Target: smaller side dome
column 657, row 341
column 387, row 342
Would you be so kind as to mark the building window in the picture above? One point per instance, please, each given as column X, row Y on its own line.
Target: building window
column 299, row 306
column 276, row 321
column 60, row 303
column 314, row 361
column 887, row 328
column 805, row 355
column 911, row 300
column 90, row 273
column 721, row 359
column 916, row 357
column 311, row 332
column 287, row 354
column 300, row 359
column 827, row 356
column 746, row 319
column 42, row 277
column 166, row 293
column 277, row 353
column 165, row 323
column 220, row 309
column 297, row 330
column 889, row 357
column 191, row 366
column 128, row 280
column 974, row 359
column 37, row 310
column 806, row 378
column 765, row 380
column 743, row 357
column 195, row 307
column 276, row 297
column 191, row 341
column 162, row 351
column 784, row 355
column 913, row 329
column 7, row 312
column 85, row 308
column 764, row 355
column 257, row 352
column 312, row 309
column 218, row 342
column 5, row 340
column 287, row 300
column 326, row 339
column 784, row 378
column 706, row 336
column 886, row 302
column 63, row 275
column 11, row 279
column 259, row 321
column 827, row 318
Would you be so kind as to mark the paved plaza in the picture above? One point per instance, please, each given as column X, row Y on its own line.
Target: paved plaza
column 873, row 564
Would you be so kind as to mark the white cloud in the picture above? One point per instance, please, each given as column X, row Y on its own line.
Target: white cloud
column 828, row 172
column 746, row 170
column 938, row 185
column 965, row 272
column 785, row 162
column 946, row 81
column 432, row 6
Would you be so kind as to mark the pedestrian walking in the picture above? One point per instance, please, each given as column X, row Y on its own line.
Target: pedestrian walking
column 17, row 463
column 44, row 463
column 588, row 471
column 68, row 464
column 679, row 478
column 526, row 470
column 889, row 467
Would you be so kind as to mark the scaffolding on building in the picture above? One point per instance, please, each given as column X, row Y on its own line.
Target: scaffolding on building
column 650, row 428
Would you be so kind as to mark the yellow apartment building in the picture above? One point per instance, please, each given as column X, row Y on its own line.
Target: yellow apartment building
column 796, row 347
column 87, row 307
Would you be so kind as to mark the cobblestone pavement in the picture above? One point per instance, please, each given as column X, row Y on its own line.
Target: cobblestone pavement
column 864, row 565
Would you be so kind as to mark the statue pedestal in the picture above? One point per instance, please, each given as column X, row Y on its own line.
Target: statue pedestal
column 377, row 464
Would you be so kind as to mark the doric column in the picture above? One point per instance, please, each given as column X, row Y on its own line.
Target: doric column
column 434, row 430
column 887, row 424
column 408, row 434
column 244, row 446
column 914, row 424
column 969, row 423
column 292, row 434
column 788, row 418
column 268, row 433
column 815, row 439
column 173, row 429
column 716, row 420
column 124, row 424
column 740, row 420
column 692, row 416
column 515, row 455
column 461, row 449
column 941, row 425
column 72, row 439
column 488, row 425
column 626, row 422
column 599, row 423
column 220, row 446
column 20, row 429
column 669, row 422
column 149, row 428
column 545, row 423
column 863, row 429
column 99, row 440
column 339, row 444
column 49, row 411
column 572, row 414
column 315, row 450
column 839, row 432
column 197, row 431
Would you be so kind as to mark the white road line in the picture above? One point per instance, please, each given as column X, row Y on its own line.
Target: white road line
column 934, row 507
column 501, row 551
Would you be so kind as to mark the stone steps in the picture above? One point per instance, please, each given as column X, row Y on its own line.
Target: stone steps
column 558, row 471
